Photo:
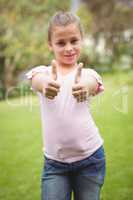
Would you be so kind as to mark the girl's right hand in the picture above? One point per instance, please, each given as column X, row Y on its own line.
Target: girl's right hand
column 52, row 88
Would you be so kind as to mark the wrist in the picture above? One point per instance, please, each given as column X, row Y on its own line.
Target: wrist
column 91, row 86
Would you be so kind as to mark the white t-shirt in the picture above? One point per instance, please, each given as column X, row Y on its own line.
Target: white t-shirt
column 69, row 132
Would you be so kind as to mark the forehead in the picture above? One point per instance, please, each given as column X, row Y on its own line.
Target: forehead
column 71, row 30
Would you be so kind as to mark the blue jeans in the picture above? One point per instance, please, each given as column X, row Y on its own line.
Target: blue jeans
column 85, row 178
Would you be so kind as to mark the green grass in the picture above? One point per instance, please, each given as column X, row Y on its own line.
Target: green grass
column 21, row 157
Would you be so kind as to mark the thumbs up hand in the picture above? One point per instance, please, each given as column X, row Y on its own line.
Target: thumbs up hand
column 79, row 90
column 53, row 87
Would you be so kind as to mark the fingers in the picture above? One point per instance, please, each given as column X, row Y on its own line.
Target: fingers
column 77, row 87
column 50, row 97
column 53, row 87
column 50, row 94
column 54, row 70
column 80, row 93
column 78, row 73
column 78, row 90
column 81, row 99
column 51, row 91
column 54, row 84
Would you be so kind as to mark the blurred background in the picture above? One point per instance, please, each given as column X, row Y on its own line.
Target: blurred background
column 108, row 48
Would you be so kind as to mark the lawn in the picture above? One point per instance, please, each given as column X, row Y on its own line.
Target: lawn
column 21, row 157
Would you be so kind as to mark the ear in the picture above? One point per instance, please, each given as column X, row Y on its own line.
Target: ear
column 50, row 46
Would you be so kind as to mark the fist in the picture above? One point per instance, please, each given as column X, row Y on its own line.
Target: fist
column 79, row 90
column 53, row 87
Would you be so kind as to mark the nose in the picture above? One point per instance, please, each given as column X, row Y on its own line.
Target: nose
column 68, row 47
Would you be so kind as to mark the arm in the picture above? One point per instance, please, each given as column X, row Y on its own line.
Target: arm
column 44, row 82
column 48, row 87
column 84, row 89
column 38, row 82
column 89, row 85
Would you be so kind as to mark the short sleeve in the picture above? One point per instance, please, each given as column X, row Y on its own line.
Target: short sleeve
column 39, row 69
column 31, row 73
column 100, row 87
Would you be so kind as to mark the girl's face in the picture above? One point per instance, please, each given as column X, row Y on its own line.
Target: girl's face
column 66, row 42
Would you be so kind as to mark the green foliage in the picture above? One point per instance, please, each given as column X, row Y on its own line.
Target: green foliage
column 25, row 31
column 113, row 21
column 86, row 17
column 23, row 36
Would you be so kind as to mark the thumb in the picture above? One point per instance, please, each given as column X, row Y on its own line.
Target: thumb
column 54, row 70
column 78, row 73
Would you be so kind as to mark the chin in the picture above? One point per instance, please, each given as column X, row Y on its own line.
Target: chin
column 69, row 63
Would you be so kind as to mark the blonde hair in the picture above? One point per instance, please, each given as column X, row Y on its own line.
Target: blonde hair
column 63, row 19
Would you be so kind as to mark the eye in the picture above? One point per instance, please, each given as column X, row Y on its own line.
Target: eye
column 74, row 41
column 60, row 43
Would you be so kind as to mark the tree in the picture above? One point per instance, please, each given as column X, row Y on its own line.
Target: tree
column 23, row 36
column 112, row 20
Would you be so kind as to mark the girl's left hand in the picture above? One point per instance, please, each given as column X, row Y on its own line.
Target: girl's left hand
column 79, row 91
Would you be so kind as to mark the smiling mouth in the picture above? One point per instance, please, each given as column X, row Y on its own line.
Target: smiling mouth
column 71, row 55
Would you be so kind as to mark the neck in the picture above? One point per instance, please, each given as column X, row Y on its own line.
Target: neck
column 64, row 69
column 67, row 67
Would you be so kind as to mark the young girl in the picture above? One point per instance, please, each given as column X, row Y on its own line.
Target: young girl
column 73, row 148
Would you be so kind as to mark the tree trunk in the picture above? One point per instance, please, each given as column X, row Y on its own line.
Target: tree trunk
column 8, row 77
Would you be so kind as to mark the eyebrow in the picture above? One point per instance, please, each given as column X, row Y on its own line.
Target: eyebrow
column 75, row 37
column 72, row 38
